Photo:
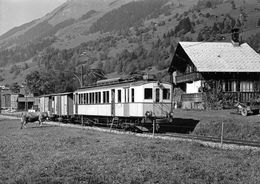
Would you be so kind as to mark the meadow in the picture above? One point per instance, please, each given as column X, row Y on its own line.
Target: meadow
column 53, row 154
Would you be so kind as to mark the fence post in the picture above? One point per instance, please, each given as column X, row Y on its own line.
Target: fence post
column 222, row 133
column 153, row 126
column 82, row 122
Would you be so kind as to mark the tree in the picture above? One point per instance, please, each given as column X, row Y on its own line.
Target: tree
column 15, row 88
column 200, row 37
column 208, row 4
column 33, row 82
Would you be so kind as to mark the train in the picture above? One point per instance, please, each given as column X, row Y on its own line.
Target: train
column 133, row 104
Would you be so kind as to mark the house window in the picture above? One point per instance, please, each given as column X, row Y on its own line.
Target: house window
column 166, row 94
column 246, row 86
column 148, row 93
column 230, row 86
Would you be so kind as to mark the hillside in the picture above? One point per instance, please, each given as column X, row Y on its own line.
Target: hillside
column 121, row 36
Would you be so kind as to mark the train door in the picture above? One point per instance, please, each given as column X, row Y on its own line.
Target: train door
column 126, row 104
column 157, row 95
column 157, row 105
column 113, row 102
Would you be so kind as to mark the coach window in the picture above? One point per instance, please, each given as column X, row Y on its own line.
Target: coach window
column 119, row 96
column 166, row 94
column 104, row 97
column 148, row 93
column 91, row 98
column 86, row 98
column 133, row 95
column 96, row 97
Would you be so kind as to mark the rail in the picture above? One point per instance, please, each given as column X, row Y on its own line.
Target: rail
column 216, row 139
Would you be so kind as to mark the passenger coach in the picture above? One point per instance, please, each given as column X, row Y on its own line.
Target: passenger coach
column 125, row 99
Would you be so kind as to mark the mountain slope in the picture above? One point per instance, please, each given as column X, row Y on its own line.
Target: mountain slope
column 124, row 36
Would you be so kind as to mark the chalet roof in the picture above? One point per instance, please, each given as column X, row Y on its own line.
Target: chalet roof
column 222, row 57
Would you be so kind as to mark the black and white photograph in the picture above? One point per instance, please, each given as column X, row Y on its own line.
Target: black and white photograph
column 130, row 91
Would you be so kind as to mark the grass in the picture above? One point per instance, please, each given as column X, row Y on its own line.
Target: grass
column 51, row 154
column 235, row 126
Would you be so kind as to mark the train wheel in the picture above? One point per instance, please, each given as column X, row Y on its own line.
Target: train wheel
column 244, row 112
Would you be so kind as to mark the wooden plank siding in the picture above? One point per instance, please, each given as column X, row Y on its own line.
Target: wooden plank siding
column 239, row 96
column 192, row 97
column 244, row 96
column 188, row 77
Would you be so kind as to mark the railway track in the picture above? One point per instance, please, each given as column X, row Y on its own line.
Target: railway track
column 215, row 140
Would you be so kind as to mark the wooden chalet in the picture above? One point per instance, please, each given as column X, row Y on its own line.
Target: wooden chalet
column 234, row 67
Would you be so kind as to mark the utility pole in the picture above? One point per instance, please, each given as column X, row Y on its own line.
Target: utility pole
column 222, row 133
column 81, row 75
column 0, row 100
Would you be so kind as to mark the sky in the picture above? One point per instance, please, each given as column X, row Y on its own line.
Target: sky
column 17, row 12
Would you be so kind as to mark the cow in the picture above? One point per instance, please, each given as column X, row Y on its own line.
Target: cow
column 33, row 117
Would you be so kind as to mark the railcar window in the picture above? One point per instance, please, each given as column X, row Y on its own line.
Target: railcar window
column 87, row 98
column 133, row 95
column 99, row 97
column 148, row 93
column 96, row 97
column 166, row 94
column 104, row 97
column 107, row 96
column 119, row 96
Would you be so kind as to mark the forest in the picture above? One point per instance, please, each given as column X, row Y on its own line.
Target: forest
column 138, row 37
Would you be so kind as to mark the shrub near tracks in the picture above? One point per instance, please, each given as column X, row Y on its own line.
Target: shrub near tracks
column 51, row 154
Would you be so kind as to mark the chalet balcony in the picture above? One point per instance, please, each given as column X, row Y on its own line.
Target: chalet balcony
column 192, row 97
column 188, row 77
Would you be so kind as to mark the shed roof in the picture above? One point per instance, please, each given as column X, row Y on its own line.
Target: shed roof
column 222, row 57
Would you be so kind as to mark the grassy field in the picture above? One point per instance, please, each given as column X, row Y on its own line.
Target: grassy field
column 51, row 154
column 209, row 123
